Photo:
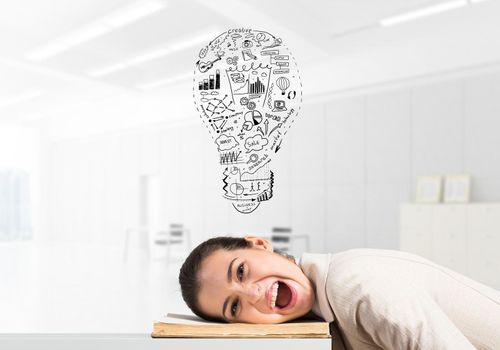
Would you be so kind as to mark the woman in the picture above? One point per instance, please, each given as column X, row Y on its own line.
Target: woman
column 378, row 298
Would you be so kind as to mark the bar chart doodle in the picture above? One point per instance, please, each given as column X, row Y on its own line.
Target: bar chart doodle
column 213, row 82
column 247, row 91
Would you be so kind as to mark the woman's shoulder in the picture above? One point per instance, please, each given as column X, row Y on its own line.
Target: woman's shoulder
column 361, row 275
column 357, row 259
column 371, row 254
column 363, row 268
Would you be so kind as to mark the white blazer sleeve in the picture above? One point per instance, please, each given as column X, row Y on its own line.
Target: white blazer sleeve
column 404, row 317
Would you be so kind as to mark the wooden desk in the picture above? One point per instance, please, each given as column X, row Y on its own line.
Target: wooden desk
column 145, row 342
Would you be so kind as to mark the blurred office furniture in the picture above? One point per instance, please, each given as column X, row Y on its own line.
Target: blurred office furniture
column 283, row 239
column 149, row 239
column 463, row 237
column 280, row 238
column 178, row 235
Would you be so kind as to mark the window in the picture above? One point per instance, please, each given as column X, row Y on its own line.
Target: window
column 15, row 215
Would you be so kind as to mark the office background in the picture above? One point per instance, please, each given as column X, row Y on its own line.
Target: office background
column 102, row 150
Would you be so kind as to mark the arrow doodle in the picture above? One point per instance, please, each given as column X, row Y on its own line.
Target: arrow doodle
column 278, row 147
column 276, row 127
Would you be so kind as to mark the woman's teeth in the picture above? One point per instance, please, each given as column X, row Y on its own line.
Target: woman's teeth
column 274, row 294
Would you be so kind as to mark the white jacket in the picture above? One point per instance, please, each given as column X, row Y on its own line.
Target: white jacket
column 384, row 299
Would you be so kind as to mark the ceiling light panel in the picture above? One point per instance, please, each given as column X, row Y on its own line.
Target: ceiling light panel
column 47, row 51
column 108, row 70
column 133, row 13
column 86, row 33
column 14, row 99
column 148, row 56
column 165, row 81
column 158, row 53
column 194, row 40
column 423, row 12
column 98, row 28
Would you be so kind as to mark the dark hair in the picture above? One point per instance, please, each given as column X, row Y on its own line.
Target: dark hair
column 188, row 275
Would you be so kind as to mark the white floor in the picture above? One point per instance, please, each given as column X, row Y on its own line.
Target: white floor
column 75, row 288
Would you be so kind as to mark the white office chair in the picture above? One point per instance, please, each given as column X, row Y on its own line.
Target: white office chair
column 282, row 240
column 177, row 234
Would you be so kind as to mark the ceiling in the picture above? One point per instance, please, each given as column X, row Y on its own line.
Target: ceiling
column 315, row 30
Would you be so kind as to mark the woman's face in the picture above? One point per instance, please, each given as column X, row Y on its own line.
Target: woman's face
column 253, row 285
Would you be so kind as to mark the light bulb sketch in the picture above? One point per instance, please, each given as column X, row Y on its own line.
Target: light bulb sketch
column 247, row 91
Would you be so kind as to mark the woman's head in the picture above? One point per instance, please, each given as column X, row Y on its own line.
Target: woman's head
column 234, row 279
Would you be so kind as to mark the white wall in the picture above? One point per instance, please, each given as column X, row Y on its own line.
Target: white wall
column 343, row 170
column 18, row 148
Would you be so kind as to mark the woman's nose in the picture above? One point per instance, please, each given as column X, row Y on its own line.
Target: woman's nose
column 252, row 292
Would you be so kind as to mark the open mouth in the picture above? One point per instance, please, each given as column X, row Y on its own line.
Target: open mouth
column 282, row 296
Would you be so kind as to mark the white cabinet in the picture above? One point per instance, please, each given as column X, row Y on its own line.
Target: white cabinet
column 483, row 245
column 448, row 239
column 416, row 229
column 463, row 237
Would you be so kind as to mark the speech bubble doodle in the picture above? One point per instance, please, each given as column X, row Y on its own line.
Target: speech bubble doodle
column 225, row 142
column 255, row 143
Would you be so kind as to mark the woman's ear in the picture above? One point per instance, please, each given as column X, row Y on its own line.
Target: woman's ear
column 259, row 243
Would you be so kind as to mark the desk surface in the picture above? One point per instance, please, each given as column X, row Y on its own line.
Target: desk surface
column 18, row 341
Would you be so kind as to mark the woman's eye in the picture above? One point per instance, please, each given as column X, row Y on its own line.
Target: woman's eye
column 241, row 271
column 234, row 308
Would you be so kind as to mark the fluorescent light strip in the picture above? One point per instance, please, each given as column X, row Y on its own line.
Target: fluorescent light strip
column 98, row 28
column 166, row 81
column 133, row 13
column 108, row 70
column 115, row 67
column 148, row 56
column 152, row 55
column 195, row 40
column 423, row 12
column 28, row 95
column 86, row 33
column 47, row 51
